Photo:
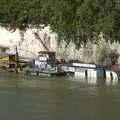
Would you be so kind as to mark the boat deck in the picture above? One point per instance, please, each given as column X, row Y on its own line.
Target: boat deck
column 47, row 73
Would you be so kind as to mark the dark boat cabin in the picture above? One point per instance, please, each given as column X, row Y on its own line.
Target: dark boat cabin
column 45, row 60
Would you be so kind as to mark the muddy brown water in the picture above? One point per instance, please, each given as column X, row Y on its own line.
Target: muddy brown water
column 56, row 98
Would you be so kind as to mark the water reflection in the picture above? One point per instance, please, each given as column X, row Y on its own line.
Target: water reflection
column 52, row 98
column 92, row 81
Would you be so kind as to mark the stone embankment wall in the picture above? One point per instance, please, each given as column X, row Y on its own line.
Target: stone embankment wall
column 29, row 45
column 100, row 52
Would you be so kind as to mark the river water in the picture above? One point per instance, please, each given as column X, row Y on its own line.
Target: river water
column 56, row 98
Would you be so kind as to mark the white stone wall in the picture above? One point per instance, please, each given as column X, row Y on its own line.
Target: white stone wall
column 7, row 38
column 30, row 44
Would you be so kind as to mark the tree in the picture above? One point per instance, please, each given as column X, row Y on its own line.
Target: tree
column 73, row 20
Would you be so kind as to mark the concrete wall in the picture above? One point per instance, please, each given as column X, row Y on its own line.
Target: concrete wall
column 91, row 53
column 29, row 44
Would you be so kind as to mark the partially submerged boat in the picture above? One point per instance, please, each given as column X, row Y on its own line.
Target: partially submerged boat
column 46, row 64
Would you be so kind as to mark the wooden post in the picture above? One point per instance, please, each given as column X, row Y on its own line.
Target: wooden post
column 17, row 60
